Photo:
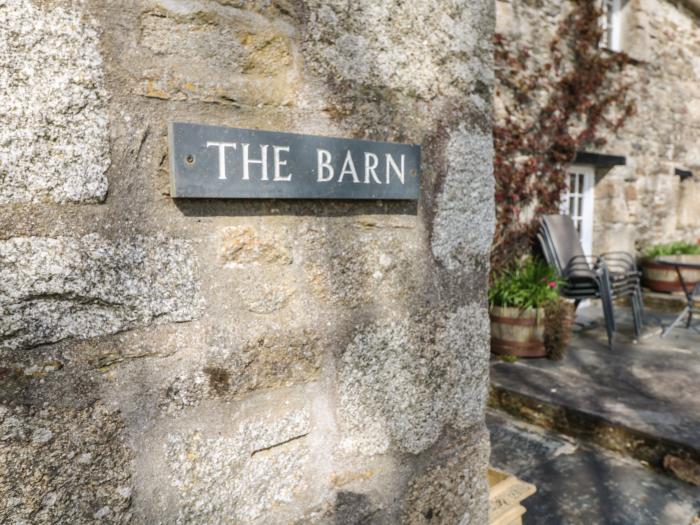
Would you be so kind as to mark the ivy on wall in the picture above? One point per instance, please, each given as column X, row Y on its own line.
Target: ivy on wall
column 554, row 102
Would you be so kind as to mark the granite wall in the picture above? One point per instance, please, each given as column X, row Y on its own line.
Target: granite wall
column 223, row 361
column 643, row 202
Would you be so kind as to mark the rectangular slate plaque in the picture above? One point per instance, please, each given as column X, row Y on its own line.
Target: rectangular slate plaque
column 219, row 162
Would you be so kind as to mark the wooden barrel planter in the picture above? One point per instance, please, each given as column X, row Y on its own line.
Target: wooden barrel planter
column 517, row 332
column 663, row 278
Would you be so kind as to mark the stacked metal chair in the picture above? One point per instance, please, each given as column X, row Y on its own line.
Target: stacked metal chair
column 606, row 277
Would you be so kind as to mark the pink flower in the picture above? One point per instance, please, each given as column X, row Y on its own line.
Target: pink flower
column 552, row 284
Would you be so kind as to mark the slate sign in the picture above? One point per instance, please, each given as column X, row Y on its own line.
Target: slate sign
column 219, row 162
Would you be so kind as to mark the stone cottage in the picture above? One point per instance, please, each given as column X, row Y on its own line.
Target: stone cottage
column 241, row 361
column 643, row 186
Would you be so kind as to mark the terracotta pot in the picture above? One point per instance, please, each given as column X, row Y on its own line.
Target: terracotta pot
column 517, row 332
column 663, row 278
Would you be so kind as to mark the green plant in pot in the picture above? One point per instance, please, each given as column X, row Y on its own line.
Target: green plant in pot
column 661, row 277
column 521, row 298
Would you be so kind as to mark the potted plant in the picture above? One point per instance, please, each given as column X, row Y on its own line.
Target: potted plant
column 518, row 298
column 662, row 277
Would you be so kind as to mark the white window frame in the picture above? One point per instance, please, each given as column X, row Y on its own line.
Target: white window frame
column 612, row 24
column 587, row 197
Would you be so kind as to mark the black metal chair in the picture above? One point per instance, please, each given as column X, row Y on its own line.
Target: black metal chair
column 607, row 277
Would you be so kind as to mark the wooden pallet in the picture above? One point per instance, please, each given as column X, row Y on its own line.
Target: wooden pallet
column 506, row 492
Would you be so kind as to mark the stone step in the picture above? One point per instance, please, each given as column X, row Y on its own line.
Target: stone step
column 580, row 484
column 672, row 302
column 646, row 408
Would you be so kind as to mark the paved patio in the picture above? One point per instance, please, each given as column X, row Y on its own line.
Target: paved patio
column 641, row 400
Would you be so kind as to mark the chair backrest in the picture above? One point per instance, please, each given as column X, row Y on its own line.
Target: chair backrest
column 548, row 250
column 565, row 243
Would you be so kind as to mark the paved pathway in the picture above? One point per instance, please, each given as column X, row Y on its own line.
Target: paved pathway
column 641, row 401
column 584, row 485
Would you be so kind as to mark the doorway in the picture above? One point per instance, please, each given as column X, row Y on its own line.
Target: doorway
column 577, row 202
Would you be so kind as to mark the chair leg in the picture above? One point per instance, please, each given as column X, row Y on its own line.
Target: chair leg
column 613, row 323
column 635, row 321
column 608, row 315
column 609, row 321
column 690, row 319
column 608, row 312
column 641, row 302
column 637, row 315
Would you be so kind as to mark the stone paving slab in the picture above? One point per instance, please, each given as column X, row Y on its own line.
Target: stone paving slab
column 651, row 388
column 584, row 485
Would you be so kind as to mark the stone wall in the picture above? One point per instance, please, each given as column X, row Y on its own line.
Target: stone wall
column 224, row 361
column 644, row 202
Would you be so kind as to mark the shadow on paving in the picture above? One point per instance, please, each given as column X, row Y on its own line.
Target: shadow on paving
column 583, row 485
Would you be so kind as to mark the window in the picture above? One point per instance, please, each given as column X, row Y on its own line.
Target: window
column 577, row 202
column 612, row 24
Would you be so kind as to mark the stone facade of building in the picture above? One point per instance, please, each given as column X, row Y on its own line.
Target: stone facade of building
column 643, row 202
column 230, row 361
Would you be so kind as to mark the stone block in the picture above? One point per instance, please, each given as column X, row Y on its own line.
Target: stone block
column 63, row 465
column 439, row 494
column 607, row 189
column 265, row 298
column 410, row 48
column 685, row 469
column 612, row 210
column 215, row 53
column 56, row 288
column 506, row 492
column 688, row 204
column 54, row 136
column 400, row 384
column 258, row 466
column 693, row 106
column 380, row 266
column 615, row 237
column 228, row 369
column 244, row 245
column 464, row 219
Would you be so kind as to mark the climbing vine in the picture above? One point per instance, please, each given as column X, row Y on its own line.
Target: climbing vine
column 550, row 109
